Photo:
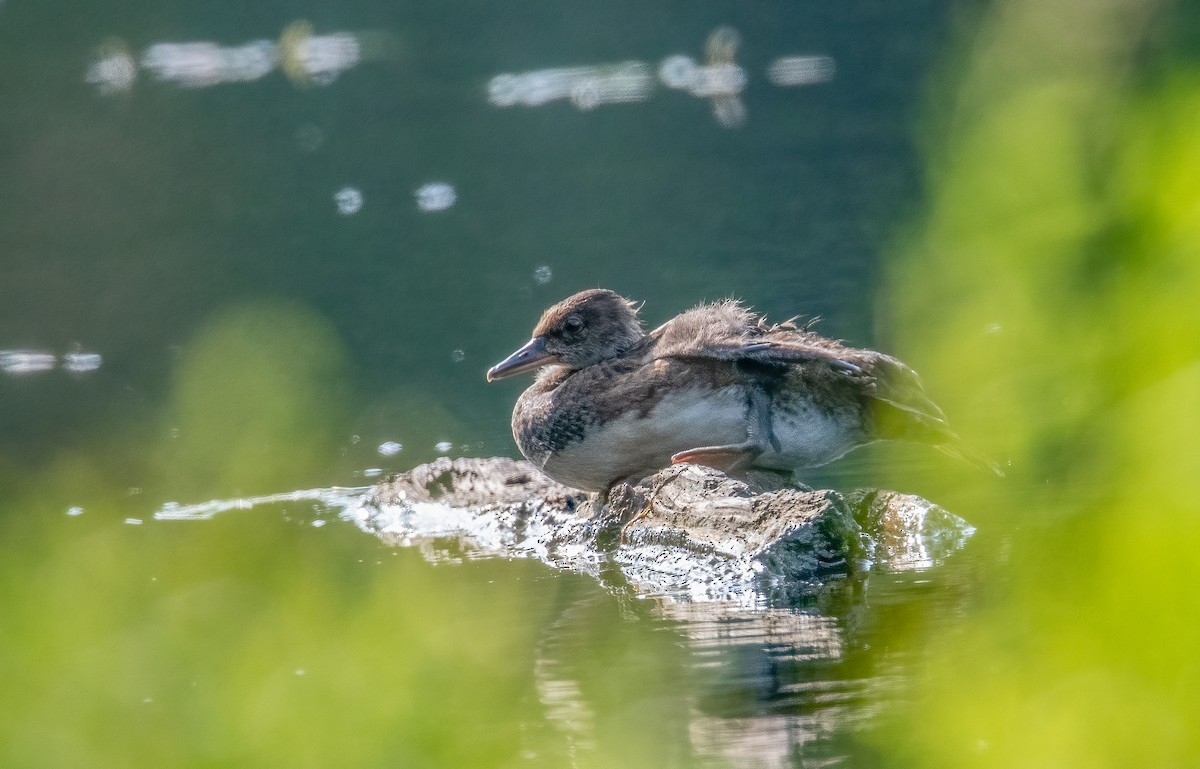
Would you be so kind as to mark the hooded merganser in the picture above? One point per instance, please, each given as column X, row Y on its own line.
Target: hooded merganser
column 716, row 385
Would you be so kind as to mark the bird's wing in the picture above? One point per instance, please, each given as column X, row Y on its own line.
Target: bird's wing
column 769, row 352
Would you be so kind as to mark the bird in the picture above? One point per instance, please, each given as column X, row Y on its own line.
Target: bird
column 716, row 385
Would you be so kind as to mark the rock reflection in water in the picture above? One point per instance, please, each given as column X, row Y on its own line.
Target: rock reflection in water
column 762, row 686
column 769, row 672
column 736, row 677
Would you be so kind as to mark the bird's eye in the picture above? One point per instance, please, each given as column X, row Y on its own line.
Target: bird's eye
column 573, row 325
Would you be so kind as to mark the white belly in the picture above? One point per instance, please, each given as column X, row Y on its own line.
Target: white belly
column 808, row 437
column 636, row 445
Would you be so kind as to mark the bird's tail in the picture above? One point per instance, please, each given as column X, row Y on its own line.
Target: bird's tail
column 902, row 411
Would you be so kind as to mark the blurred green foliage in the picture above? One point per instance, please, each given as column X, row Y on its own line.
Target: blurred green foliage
column 1054, row 283
column 258, row 639
column 258, row 402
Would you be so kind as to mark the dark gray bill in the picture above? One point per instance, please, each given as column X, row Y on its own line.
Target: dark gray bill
column 532, row 355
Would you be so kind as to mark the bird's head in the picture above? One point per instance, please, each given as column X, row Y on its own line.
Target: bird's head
column 581, row 330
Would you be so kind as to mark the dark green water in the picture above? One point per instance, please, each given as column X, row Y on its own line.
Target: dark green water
column 253, row 338
column 130, row 220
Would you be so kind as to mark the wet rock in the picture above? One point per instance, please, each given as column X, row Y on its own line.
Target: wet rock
column 687, row 531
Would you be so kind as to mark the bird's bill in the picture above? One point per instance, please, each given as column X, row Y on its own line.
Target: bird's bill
column 532, row 355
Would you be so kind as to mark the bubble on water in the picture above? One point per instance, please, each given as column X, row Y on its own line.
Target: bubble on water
column 389, row 448
column 458, row 356
column 133, row 521
column 372, row 472
column 349, row 201
column 73, row 511
column 114, row 69
column 436, row 196
column 354, row 439
column 318, row 523
column 443, row 447
column 543, row 274
column 678, row 72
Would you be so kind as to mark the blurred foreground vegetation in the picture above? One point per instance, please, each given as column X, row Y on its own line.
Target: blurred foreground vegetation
column 1054, row 280
column 261, row 639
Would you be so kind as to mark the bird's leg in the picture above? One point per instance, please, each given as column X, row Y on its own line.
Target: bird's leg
column 736, row 457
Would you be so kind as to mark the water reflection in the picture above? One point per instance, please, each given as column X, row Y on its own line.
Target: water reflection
column 305, row 57
column 26, row 361
column 720, row 79
column 200, row 65
column 311, row 59
column 81, row 362
column 586, row 87
column 756, row 684
column 753, row 687
column 788, row 71
column 23, row 362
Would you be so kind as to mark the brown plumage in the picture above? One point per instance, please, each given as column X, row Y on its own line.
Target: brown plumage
column 716, row 385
